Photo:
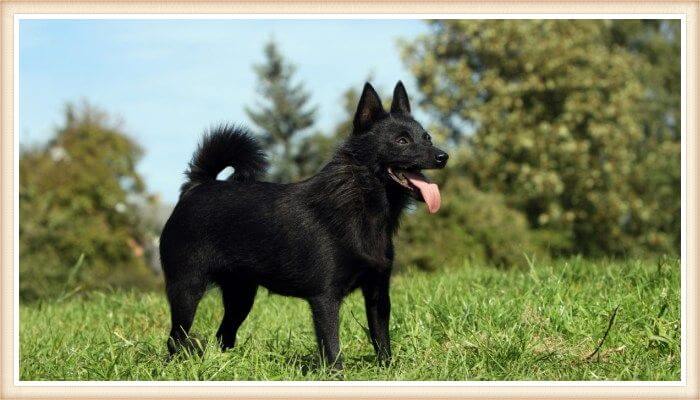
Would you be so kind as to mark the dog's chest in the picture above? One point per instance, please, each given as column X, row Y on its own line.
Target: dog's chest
column 351, row 281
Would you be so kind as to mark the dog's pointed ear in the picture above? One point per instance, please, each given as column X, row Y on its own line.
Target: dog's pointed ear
column 399, row 105
column 369, row 109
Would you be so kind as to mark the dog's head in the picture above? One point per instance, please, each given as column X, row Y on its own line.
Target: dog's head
column 396, row 144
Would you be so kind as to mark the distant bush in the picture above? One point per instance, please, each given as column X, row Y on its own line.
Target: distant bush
column 471, row 224
column 77, row 200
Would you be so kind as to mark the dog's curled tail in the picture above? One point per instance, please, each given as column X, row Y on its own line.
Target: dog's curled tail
column 225, row 146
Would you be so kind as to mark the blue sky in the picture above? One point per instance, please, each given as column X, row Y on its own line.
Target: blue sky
column 169, row 80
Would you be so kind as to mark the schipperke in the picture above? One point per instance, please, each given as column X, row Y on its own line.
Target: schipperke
column 318, row 239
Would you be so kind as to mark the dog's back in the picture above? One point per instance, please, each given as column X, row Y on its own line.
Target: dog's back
column 260, row 231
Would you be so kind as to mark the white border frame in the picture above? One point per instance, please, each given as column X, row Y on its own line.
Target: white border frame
column 326, row 16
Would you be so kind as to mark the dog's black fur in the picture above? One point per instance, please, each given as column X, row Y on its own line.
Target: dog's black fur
column 318, row 239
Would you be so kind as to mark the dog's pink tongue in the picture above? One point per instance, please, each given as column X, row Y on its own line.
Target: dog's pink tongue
column 429, row 190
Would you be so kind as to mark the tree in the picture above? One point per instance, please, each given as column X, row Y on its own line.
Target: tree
column 317, row 149
column 658, row 42
column 77, row 199
column 284, row 113
column 552, row 113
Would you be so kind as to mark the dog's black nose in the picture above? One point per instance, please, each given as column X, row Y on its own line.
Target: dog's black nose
column 441, row 157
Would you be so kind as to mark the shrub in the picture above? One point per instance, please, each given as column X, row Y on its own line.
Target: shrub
column 77, row 199
column 471, row 224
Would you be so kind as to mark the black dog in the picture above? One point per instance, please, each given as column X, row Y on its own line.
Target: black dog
column 318, row 239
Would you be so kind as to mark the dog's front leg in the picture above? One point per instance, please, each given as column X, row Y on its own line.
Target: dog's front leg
column 325, row 310
column 378, row 308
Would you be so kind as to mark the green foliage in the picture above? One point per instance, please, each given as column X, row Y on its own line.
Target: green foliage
column 469, row 323
column 564, row 123
column 471, row 225
column 76, row 200
column 658, row 43
column 315, row 150
column 659, row 176
column 284, row 114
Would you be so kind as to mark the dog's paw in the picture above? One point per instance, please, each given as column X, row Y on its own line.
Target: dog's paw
column 384, row 361
column 189, row 346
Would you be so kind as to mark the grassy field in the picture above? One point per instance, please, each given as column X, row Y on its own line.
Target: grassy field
column 468, row 323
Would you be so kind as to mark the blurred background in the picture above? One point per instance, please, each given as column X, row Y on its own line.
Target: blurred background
column 564, row 135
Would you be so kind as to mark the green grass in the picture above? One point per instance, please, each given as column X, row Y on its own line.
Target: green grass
column 468, row 323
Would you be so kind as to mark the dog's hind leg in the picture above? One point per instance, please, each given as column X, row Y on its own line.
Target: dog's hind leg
column 238, row 300
column 184, row 296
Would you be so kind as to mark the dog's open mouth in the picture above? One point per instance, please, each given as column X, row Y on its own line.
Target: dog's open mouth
column 419, row 185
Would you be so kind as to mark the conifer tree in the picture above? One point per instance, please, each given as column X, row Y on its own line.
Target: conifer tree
column 282, row 114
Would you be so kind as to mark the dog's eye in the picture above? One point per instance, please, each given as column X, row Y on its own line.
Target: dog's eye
column 402, row 140
column 426, row 137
